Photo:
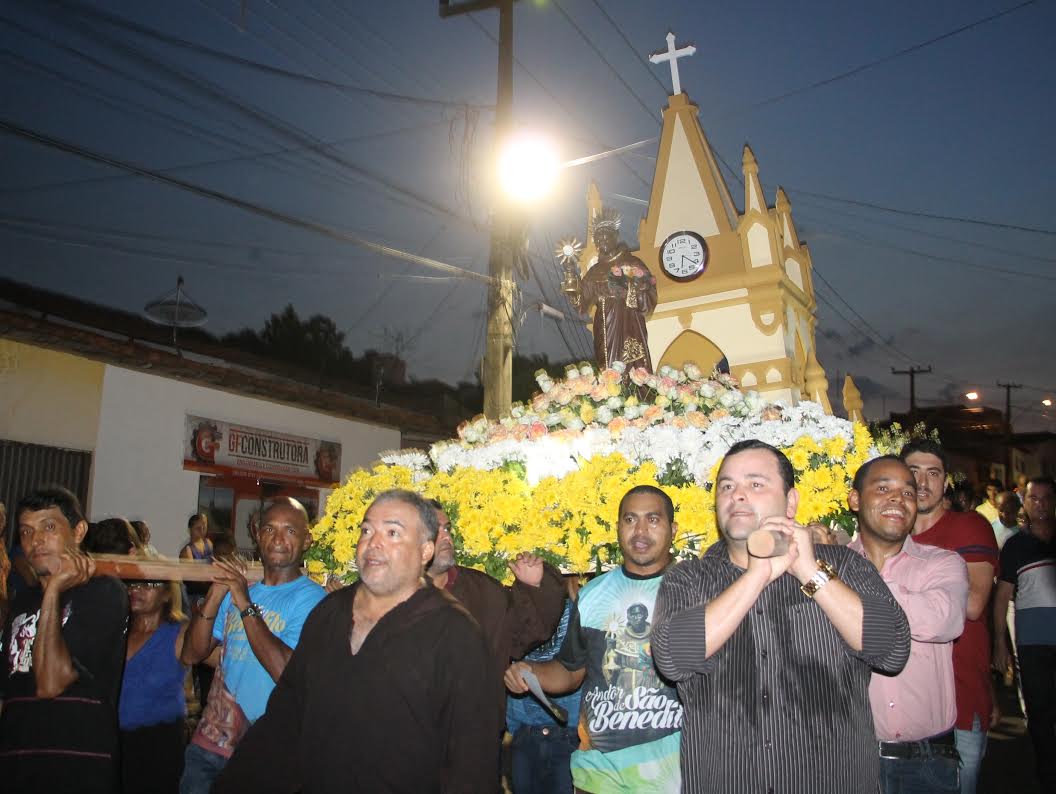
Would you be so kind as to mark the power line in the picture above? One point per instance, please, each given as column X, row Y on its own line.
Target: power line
column 553, row 97
column 201, row 49
column 923, row 233
column 888, row 58
column 256, row 209
column 604, row 60
column 929, row 215
column 877, row 334
column 630, row 46
column 290, row 132
column 935, row 257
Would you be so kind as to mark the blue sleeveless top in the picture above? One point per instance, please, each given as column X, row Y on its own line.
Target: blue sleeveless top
column 152, row 689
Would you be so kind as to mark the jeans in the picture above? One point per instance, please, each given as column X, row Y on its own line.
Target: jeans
column 925, row 775
column 200, row 769
column 1037, row 672
column 541, row 759
column 971, row 747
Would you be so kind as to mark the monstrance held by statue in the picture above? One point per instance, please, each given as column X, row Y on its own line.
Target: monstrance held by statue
column 622, row 291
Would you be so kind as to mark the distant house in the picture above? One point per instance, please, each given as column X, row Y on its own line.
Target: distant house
column 103, row 402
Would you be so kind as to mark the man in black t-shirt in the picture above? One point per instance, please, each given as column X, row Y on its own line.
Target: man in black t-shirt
column 63, row 652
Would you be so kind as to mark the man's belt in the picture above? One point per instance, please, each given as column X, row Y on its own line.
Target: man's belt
column 941, row 746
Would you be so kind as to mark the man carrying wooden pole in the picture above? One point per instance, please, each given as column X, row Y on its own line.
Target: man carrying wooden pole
column 257, row 627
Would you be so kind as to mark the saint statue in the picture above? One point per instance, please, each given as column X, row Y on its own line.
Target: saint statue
column 621, row 289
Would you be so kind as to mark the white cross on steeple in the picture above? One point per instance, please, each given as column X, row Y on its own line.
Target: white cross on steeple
column 672, row 55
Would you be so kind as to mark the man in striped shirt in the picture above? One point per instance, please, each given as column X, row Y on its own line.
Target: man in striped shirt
column 1028, row 576
column 773, row 656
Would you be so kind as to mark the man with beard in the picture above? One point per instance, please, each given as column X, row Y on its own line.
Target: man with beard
column 383, row 694
column 514, row 619
column 773, row 655
column 629, row 737
column 257, row 627
column 63, row 652
column 971, row 536
column 913, row 711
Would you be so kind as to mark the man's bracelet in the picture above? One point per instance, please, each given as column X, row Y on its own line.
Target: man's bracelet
column 207, row 617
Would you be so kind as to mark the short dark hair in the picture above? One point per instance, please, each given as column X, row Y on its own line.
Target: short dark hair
column 111, row 536
column 1043, row 480
column 52, row 496
column 928, row 447
column 437, row 504
column 996, row 483
column 194, row 518
column 669, row 506
column 863, row 470
column 426, row 512
column 784, row 465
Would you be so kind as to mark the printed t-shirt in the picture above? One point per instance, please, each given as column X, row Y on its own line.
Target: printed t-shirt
column 1029, row 565
column 630, row 718
column 971, row 536
column 66, row 743
column 241, row 688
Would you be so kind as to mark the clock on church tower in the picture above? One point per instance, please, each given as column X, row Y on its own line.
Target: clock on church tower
column 684, row 255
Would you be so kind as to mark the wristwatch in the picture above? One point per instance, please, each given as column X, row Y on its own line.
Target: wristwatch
column 821, row 578
column 251, row 611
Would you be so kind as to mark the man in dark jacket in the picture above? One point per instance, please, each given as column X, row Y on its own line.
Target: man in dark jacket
column 383, row 692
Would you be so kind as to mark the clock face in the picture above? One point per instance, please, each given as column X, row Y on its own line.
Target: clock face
column 684, row 255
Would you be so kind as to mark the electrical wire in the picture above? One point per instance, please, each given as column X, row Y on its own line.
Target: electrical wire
column 175, row 41
column 256, row 209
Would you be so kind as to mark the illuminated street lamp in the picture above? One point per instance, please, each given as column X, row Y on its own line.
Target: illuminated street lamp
column 972, row 395
column 528, row 167
column 1047, row 402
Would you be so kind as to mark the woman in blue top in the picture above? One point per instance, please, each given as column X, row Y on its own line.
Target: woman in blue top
column 152, row 708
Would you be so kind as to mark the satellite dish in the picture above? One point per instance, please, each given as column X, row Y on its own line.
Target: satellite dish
column 176, row 309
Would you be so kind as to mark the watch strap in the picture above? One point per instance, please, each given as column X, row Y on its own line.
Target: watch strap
column 250, row 611
column 821, row 577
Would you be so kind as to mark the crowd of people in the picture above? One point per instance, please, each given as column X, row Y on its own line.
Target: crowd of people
column 819, row 666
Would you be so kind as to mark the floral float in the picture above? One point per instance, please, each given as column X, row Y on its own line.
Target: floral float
column 549, row 476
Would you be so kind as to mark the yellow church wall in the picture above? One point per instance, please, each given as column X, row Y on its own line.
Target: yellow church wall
column 48, row 397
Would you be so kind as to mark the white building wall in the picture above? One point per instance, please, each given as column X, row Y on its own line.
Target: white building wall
column 138, row 467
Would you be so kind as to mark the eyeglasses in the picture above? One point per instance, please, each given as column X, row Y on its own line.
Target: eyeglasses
column 147, row 585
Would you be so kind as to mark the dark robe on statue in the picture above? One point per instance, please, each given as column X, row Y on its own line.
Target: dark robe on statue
column 619, row 321
column 407, row 714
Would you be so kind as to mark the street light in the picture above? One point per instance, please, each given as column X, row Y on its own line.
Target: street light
column 528, row 167
column 972, row 395
column 1047, row 402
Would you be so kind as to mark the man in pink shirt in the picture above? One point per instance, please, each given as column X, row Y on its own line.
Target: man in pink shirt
column 913, row 712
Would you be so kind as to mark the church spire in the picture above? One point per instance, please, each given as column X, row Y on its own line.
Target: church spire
column 753, row 190
column 784, row 218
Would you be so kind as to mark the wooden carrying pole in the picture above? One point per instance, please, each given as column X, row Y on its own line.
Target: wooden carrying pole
column 127, row 567
column 767, row 543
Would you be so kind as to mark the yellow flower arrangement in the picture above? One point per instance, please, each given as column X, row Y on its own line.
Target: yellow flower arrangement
column 570, row 521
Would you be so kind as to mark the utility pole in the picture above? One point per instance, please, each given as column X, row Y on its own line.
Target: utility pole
column 912, row 372
column 1008, row 387
column 498, row 352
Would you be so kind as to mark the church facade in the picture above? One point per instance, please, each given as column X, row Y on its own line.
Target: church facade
column 733, row 285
